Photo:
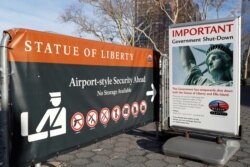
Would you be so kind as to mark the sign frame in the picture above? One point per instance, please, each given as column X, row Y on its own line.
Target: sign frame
column 199, row 36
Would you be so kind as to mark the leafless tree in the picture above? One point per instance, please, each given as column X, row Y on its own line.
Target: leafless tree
column 205, row 5
column 245, row 41
column 177, row 9
column 114, row 20
column 217, row 4
column 236, row 9
column 106, row 20
column 232, row 8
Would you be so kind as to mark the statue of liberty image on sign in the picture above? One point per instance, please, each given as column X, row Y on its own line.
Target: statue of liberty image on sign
column 215, row 67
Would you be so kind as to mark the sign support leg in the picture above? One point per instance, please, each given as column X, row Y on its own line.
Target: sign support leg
column 201, row 150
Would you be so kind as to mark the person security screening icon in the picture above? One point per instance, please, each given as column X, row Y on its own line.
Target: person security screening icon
column 56, row 117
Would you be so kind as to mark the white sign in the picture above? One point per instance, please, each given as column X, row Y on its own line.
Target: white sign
column 205, row 76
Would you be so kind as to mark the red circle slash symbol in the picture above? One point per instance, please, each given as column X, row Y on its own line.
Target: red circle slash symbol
column 135, row 109
column 116, row 113
column 143, row 107
column 104, row 116
column 77, row 121
column 126, row 111
column 92, row 118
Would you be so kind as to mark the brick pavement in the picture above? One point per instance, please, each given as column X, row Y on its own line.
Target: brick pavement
column 141, row 148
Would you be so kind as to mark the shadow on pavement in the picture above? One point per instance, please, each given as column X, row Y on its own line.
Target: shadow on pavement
column 150, row 140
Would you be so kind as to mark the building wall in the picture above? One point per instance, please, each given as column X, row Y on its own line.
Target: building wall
column 245, row 41
column 153, row 20
column 149, row 15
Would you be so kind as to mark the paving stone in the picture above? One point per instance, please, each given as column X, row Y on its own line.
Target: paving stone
column 242, row 154
column 214, row 166
column 104, row 152
column 65, row 157
column 246, row 138
column 194, row 164
column 234, row 158
column 118, row 155
column 120, row 149
column 133, row 147
column 80, row 162
column 172, row 160
column 122, row 144
column 234, row 164
column 97, row 165
column 108, row 141
column 85, row 154
column 155, row 156
column 118, row 162
column 123, row 135
column 53, row 163
column 154, row 163
column 247, row 150
column 123, row 139
column 137, row 152
column 130, row 137
column 100, row 158
column 73, row 152
column 245, row 161
column 115, row 138
column 108, row 146
column 135, row 165
column 174, row 165
column 89, row 148
column 136, row 159
column 98, row 149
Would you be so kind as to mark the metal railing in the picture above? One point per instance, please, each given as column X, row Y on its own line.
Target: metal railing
column 164, row 92
column 4, row 112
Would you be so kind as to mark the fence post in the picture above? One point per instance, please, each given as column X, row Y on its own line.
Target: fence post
column 4, row 110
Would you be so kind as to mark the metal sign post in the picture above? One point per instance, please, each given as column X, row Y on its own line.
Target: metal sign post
column 4, row 112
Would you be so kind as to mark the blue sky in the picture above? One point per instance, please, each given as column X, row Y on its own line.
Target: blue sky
column 40, row 15
column 225, row 11
column 43, row 15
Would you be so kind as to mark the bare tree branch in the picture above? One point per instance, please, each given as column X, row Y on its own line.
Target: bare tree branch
column 114, row 20
column 152, row 41
column 217, row 4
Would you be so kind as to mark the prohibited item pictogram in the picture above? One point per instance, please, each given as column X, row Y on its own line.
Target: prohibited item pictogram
column 116, row 113
column 135, row 109
column 77, row 121
column 92, row 118
column 126, row 111
column 104, row 116
column 143, row 107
